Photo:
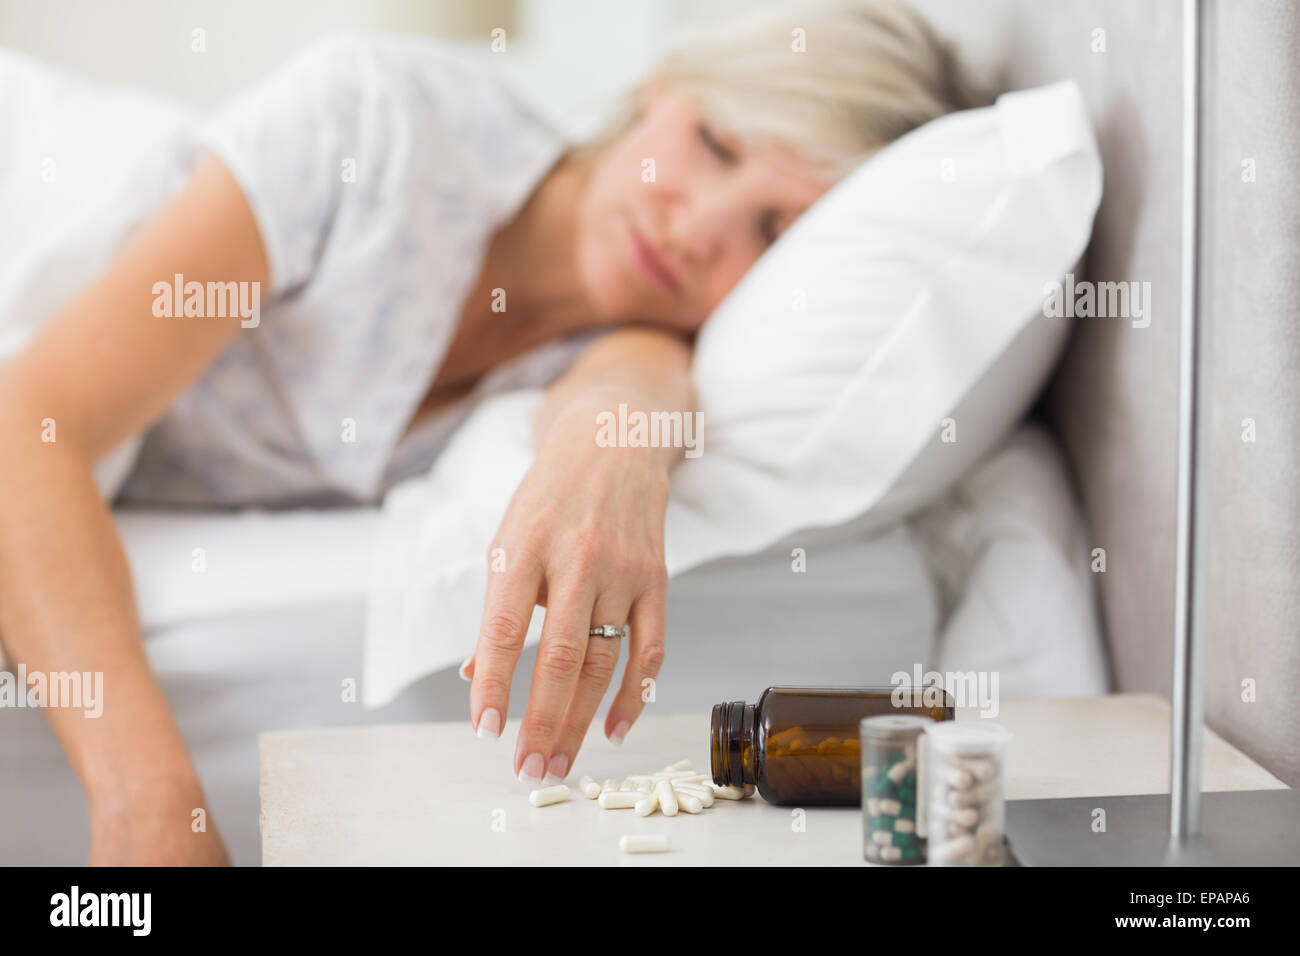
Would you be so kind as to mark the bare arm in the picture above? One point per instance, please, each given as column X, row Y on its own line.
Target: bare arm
column 103, row 369
column 584, row 536
column 644, row 368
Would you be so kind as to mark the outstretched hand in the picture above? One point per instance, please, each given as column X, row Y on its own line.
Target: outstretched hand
column 583, row 537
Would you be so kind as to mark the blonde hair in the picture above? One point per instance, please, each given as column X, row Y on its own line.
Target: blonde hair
column 835, row 83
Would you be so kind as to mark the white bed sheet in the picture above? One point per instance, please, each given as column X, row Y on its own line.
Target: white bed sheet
column 192, row 566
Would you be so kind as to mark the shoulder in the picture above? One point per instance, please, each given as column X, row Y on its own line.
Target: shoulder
column 366, row 135
column 451, row 116
column 403, row 93
column 380, row 56
column 419, row 70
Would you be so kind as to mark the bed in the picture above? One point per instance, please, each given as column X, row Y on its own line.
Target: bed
column 269, row 637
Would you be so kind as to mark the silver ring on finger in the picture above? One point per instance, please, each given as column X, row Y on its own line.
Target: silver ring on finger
column 608, row 630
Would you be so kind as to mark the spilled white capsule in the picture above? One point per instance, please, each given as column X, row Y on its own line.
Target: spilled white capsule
column 676, row 774
column 644, row 843
column 589, row 788
column 688, row 801
column 691, row 778
column 667, row 799
column 704, row 794
column 647, row 805
column 680, row 765
column 728, row 793
column 619, row 799
column 548, row 795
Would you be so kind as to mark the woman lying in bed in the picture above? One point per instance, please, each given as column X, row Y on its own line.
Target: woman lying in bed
column 410, row 229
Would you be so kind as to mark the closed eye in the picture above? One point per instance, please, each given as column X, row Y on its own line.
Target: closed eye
column 715, row 145
column 768, row 228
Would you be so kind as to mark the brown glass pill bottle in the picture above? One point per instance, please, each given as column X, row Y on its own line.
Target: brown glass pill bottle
column 799, row 745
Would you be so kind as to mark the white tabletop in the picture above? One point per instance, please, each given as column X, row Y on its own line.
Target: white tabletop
column 434, row 793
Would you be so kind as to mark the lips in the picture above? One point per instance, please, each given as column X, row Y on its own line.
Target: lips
column 651, row 265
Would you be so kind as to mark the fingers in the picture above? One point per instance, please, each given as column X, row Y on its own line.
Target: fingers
column 645, row 657
column 598, row 668
column 506, row 615
column 555, row 677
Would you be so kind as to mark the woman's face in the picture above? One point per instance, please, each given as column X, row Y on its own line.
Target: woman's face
column 677, row 209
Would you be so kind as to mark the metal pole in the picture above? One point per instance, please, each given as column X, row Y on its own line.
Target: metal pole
column 1188, row 689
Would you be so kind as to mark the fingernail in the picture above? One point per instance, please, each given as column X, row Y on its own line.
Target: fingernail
column 531, row 771
column 556, row 769
column 464, row 668
column 489, row 724
column 620, row 732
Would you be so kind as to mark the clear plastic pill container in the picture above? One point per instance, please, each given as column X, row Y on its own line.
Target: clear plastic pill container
column 964, row 812
column 890, row 796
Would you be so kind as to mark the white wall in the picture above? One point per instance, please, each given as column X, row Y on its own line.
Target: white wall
column 575, row 55
column 152, row 42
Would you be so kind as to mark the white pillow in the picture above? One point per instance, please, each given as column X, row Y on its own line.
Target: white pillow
column 919, row 274
column 834, row 362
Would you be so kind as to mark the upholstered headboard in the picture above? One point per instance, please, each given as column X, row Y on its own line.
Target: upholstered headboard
column 1113, row 401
